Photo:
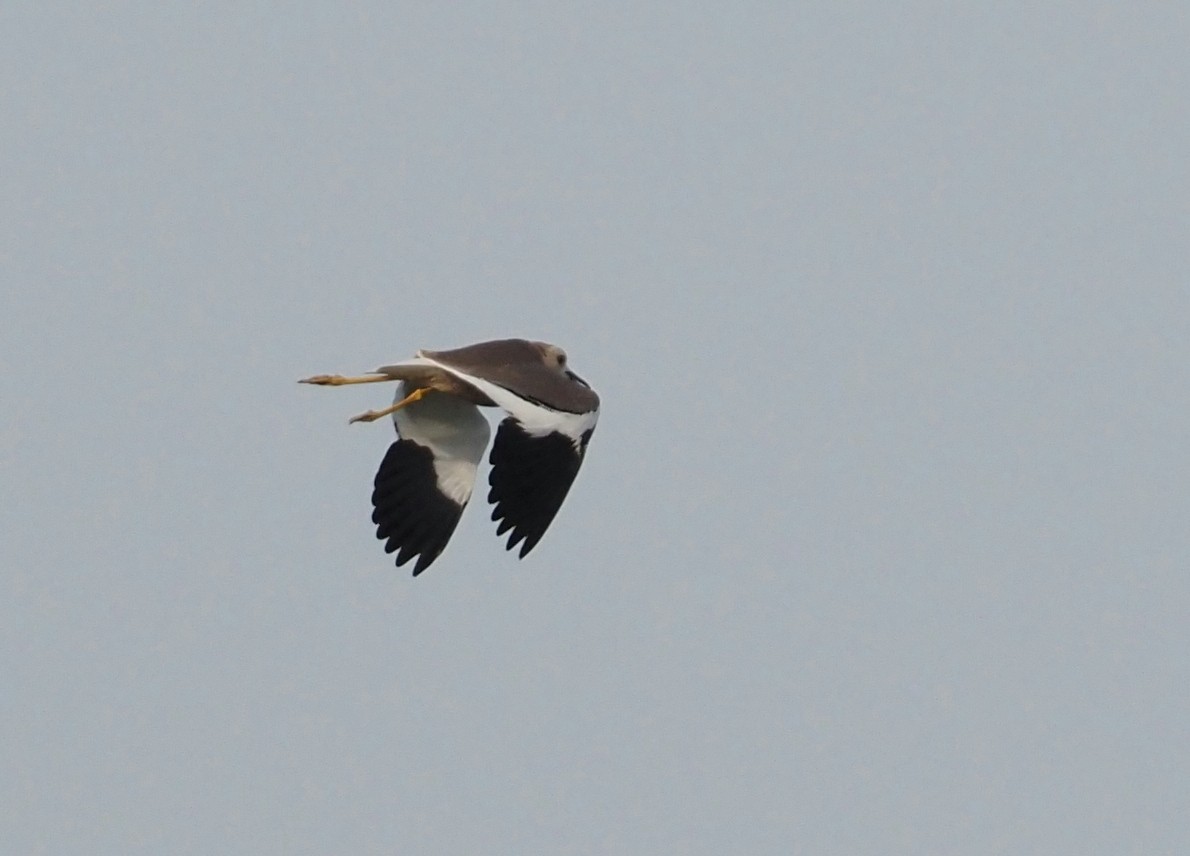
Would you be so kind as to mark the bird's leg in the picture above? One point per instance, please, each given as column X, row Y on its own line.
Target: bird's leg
column 339, row 380
column 373, row 415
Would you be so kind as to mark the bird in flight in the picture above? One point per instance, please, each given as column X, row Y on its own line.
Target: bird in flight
column 427, row 476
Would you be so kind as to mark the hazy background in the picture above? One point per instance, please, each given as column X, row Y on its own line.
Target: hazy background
column 881, row 545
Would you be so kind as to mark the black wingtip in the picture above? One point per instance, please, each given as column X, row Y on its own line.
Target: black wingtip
column 412, row 516
column 530, row 477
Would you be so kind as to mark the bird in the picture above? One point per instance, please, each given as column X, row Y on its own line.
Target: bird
column 428, row 473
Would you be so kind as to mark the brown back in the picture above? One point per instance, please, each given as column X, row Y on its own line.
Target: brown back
column 522, row 367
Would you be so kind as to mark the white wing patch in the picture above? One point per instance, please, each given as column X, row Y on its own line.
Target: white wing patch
column 537, row 419
column 456, row 478
column 454, row 431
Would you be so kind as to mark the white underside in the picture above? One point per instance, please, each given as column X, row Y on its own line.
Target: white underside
column 454, row 431
column 536, row 419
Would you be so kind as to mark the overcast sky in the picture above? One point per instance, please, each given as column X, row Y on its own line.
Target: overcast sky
column 881, row 545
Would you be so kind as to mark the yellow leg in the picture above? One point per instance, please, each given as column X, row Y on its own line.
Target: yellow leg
column 373, row 415
column 339, row 380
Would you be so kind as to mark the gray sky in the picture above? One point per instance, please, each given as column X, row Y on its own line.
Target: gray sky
column 881, row 545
